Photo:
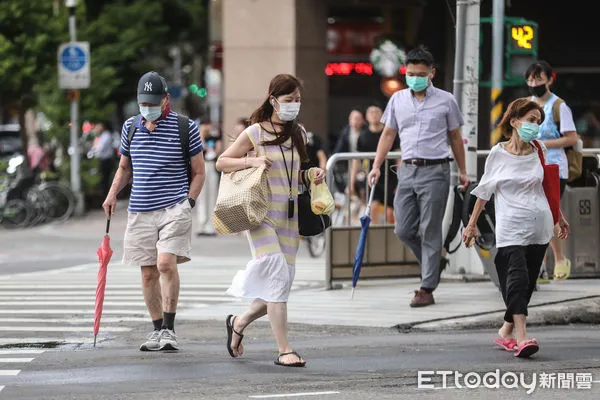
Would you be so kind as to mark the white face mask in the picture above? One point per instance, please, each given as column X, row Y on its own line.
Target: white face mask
column 288, row 111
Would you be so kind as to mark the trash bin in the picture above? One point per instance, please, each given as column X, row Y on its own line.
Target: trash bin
column 581, row 205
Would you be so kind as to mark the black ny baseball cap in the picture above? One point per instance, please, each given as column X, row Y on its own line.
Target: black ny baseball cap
column 152, row 88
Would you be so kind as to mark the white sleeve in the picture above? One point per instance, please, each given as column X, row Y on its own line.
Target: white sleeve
column 487, row 185
column 566, row 119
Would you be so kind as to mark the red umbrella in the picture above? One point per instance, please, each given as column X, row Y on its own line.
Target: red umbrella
column 104, row 254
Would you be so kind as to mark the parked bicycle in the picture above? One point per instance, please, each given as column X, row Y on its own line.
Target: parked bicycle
column 26, row 200
column 14, row 213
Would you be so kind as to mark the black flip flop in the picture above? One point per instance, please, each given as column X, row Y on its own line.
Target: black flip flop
column 230, row 332
column 296, row 364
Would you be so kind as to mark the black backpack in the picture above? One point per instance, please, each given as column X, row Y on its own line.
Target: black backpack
column 183, row 127
column 462, row 210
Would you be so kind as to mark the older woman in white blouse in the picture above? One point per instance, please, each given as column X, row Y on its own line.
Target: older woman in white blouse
column 524, row 224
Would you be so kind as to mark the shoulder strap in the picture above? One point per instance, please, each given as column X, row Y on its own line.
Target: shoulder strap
column 256, row 131
column 131, row 130
column 183, row 127
column 556, row 111
column 540, row 152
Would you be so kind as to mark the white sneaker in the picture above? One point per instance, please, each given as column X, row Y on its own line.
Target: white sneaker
column 168, row 340
column 153, row 342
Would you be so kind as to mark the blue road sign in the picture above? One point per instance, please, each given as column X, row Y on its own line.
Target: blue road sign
column 73, row 58
column 74, row 65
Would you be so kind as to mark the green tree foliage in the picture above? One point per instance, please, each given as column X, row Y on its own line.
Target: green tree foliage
column 127, row 38
column 30, row 32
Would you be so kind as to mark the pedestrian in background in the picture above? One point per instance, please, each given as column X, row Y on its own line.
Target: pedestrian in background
column 348, row 139
column 524, row 225
column 239, row 126
column 428, row 120
column 367, row 143
column 106, row 153
column 279, row 143
column 557, row 132
column 211, row 140
column 317, row 157
column 159, row 222
column 347, row 142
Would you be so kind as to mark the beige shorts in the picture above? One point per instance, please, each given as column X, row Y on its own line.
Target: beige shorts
column 167, row 231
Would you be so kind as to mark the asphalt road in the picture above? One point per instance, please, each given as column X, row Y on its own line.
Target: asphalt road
column 343, row 363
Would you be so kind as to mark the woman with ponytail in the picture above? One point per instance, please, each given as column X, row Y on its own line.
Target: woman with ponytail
column 278, row 142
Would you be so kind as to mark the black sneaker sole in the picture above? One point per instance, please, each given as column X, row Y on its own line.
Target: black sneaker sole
column 145, row 348
column 421, row 305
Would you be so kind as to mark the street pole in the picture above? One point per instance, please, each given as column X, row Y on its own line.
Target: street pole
column 466, row 92
column 470, row 87
column 74, row 133
column 466, row 77
column 497, row 51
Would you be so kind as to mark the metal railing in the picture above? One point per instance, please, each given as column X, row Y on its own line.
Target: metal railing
column 349, row 157
column 385, row 256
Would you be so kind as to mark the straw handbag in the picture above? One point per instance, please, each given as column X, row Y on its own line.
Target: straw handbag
column 243, row 200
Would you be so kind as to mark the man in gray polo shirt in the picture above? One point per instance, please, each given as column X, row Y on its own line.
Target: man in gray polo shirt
column 428, row 121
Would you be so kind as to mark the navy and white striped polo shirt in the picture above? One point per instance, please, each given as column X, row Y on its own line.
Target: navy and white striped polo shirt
column 159, row 169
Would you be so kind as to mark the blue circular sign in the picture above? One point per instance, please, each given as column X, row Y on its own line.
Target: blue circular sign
column 73, row 58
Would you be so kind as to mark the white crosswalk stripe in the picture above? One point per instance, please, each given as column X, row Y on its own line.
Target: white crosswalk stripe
column 13, row 358
column 58, row 305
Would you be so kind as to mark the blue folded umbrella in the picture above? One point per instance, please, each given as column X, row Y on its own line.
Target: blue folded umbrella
column 365, row 221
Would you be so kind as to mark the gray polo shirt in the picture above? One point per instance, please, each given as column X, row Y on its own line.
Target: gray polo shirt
column 423, row 126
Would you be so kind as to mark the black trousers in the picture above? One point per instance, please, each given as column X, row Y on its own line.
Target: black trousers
column 518, row 268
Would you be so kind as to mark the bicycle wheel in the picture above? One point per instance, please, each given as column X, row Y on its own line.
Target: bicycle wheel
column 316, row 245
column 16, row 214
column 38, row 203
column 60, row 200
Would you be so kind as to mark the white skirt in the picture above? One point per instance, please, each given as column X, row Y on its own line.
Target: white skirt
column 268, row 278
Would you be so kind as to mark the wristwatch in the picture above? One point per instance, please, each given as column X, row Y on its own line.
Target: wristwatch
column 192, row 202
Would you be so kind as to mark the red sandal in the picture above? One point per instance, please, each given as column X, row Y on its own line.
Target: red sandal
column 506, row 344
column 527, row 349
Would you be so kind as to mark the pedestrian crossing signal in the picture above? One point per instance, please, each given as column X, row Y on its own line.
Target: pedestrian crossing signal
column 521, row 48
column 523, row 36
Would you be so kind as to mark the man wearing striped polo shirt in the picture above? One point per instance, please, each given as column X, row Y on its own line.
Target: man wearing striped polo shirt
column 159, row 224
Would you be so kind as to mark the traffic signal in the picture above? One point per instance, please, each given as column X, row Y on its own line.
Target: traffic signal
column 521, row 47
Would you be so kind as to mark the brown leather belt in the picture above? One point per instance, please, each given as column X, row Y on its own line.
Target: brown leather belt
column 421, row 162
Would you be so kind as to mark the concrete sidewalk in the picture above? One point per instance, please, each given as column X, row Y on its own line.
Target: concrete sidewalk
column 377, row 303
column 385, row 303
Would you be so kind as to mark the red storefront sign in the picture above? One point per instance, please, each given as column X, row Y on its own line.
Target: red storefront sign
column 347, row 68
column 344, row 68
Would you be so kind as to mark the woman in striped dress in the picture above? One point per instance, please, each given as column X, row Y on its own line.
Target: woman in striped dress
column 277, row 141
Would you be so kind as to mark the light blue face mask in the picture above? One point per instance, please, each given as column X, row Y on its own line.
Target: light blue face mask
column 417, row 83
column 151, row 113
column 528, row 131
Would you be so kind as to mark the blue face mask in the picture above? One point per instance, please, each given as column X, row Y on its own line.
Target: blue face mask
column 417, row 83
column 151, row 113
column 528, row 131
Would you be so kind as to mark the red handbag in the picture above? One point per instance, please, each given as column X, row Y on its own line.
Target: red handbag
column 551, row 184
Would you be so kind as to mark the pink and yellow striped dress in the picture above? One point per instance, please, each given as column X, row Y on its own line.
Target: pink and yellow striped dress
column 274, row 243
